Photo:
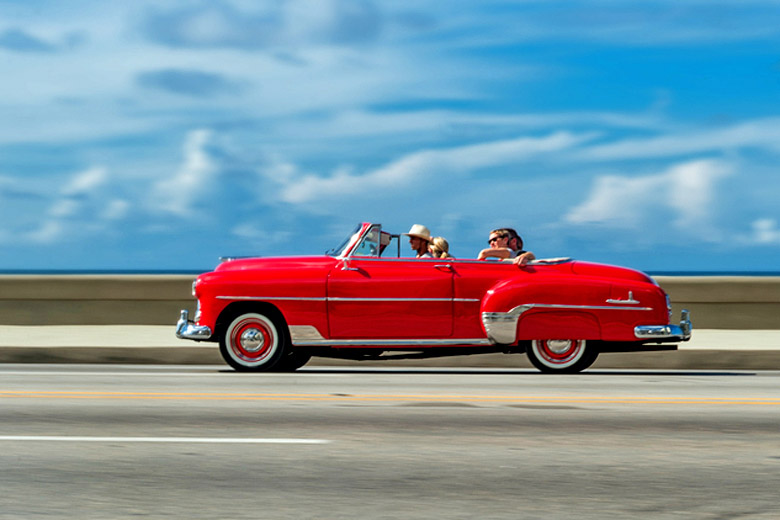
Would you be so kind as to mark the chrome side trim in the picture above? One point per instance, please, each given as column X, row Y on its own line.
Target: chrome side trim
column 528, row 306
column 300, row 333
column 185, row 329
column 501, row 327
column 339, row 299
column 271, row 298
column 391, row 342
column 681, row 332
column 550, row 261
column 629, row 301
column 453, row 261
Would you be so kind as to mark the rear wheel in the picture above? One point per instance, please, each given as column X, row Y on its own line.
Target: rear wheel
column 562, row 356
column 253, row 342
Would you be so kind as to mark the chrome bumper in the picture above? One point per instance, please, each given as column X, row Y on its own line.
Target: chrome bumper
column 185, row 329
column 681, row 332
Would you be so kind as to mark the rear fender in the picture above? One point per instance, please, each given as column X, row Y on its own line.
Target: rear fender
column 558, row 308
column 549, row 324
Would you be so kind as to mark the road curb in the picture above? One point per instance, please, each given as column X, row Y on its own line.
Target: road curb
column 701, row 359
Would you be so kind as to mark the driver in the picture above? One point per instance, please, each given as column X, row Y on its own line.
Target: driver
column 419, row 238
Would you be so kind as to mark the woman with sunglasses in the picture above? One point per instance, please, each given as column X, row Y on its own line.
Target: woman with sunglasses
column 505, row 244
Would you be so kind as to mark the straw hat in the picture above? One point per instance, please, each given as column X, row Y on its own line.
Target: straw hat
column 420, row 231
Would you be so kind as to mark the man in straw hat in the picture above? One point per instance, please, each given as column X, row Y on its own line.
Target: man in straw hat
column 419, row 237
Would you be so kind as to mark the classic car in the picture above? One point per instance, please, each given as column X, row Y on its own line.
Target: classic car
column 364, row 300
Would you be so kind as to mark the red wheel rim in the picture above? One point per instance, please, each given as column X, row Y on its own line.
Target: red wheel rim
column 252, row 339
column 559, row 353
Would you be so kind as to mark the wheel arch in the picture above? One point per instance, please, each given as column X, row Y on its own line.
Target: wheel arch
column 235, row 309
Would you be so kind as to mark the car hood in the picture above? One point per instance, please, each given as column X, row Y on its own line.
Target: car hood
column 287, row 262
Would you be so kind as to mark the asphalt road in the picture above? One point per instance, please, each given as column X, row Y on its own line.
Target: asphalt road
column 80, row 441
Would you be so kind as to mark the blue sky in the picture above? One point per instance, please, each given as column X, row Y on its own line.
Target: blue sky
column 162, row 135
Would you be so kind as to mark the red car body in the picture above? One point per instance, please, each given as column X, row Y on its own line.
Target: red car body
column 365, row 301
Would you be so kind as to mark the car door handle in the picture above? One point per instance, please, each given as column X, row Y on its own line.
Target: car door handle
column 443, row 267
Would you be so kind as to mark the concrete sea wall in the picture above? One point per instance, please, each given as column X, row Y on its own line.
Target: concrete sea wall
column 715, row 302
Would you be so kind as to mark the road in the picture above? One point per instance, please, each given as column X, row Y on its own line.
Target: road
column 99, row 441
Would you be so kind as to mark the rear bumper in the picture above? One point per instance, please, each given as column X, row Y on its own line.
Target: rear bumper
column 185, row 329
column 681, row 332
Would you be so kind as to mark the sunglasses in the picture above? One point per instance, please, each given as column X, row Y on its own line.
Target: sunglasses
column 497, row 237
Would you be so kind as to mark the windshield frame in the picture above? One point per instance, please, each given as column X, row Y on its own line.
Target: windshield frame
column 348, row 244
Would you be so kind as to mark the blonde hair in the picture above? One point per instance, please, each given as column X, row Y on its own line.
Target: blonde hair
column 439, row 248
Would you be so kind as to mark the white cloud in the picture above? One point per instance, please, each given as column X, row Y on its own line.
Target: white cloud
column 686, row 191
column 50, row 231
column 759, row 133
column 80, row 208
column 350, row 124
column 86, row 182
column 637, row 23
column 765, row 231
column 176, row 194
column 63, row 208
column 615, row 200
column 691, row 189
column 115, row 210
column 414, row 169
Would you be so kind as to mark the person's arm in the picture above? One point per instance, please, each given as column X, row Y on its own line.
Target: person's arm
column 498, row 252
column 523, row 258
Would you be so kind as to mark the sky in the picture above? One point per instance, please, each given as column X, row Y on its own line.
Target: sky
column 159, row 136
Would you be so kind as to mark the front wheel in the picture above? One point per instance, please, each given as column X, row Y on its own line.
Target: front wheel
column 292, row 360
column 253, row 342
column 561, row 356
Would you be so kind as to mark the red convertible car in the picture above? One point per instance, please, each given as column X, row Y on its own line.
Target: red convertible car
column 363, row 300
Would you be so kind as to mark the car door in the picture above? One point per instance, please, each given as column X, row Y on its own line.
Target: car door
column 394, row 299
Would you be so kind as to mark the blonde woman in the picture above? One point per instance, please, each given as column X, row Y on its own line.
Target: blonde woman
column 439, row 248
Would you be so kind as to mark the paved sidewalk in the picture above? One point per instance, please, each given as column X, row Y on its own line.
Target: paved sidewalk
column 144, row 336
column 141, row 344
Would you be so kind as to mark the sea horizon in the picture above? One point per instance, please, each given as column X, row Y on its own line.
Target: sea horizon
column 199, row 271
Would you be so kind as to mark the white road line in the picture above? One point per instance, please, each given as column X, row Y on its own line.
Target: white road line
column 198, row 440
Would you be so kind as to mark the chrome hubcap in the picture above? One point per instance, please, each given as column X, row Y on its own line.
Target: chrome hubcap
column 559, row 346
column 252, row 340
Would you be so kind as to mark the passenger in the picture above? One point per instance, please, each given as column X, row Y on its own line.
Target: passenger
column 439, row 248
column 419, row 238
column 522, row 257
column 505, row 243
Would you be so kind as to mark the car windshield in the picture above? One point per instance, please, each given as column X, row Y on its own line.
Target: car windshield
column 339, row 251
column 369, row 246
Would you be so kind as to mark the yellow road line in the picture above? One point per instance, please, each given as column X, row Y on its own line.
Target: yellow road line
column 21, row 394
